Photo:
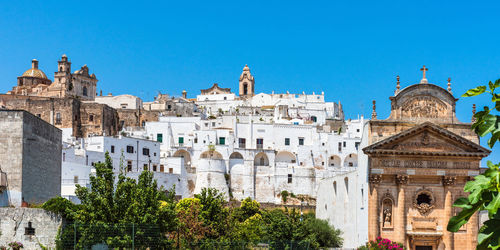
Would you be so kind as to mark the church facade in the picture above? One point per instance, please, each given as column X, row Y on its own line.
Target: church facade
column 418, row 161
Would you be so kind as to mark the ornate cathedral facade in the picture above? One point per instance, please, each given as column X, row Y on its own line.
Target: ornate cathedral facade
column 419, row 160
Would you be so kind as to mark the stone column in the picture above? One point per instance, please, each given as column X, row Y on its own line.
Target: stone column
column 373, row 204
column 448, row 182
column 400, row 215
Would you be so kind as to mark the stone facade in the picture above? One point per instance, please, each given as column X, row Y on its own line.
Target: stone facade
column 30, row 149
column 419, row 160
column 31, row 226
column 80, row 118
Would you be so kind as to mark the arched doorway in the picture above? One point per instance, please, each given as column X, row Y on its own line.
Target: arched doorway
column 261, row 160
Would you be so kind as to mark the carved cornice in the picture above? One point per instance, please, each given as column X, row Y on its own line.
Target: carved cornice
column 402, row 179
column 449, row 180
column 375, row 179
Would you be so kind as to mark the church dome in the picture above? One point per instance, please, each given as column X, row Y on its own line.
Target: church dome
column 34, row 71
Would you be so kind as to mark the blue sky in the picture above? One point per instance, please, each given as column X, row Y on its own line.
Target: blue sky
column 350, row 50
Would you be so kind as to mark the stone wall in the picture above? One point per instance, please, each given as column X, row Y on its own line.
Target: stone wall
column 48, row 109
column 11, row 150
column 30, row 150
column 41, row 173
column 98, row 119
column 85, row 118
column 14, row 221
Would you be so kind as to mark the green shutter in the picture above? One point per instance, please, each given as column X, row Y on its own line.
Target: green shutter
column 222, row 140
column 159, row 137
column 181, row 139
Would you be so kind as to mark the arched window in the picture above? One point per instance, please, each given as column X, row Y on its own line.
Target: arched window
column 84, row 91
column 245, row 89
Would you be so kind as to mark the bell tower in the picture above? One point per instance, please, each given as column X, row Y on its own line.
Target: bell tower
column 247, row 83
column 63, row 75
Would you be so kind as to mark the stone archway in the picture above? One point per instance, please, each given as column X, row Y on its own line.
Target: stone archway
column 185, row 155
column 261, row 159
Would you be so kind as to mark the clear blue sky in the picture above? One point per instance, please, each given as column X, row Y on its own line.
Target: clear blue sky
column 351, row 50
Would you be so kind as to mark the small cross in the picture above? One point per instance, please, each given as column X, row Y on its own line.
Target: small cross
column 424, row 69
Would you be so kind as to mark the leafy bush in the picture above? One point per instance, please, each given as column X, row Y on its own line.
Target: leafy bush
column 61, row 206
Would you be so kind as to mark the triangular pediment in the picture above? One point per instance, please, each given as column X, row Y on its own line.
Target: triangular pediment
column 427, row 139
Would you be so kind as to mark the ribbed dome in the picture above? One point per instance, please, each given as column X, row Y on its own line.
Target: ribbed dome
column 35, row 73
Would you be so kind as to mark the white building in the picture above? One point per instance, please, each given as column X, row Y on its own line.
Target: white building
column 120, row 101
column 128, row 155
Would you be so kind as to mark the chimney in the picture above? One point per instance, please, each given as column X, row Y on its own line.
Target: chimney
column 34, row 64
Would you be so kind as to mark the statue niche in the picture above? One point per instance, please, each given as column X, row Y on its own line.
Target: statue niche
column 423, row 107
column 387, row 210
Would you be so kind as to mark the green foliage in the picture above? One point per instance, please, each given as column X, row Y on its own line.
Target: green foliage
column 110, row 207
column 61, row 206
column 214, row 212
column 485, row 188
column 280, row 225
column 284, row 196
column 382, row 244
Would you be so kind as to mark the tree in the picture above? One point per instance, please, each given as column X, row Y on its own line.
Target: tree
column 109, row 212
column 191, row 227
column 485, row 188
column 214, row 212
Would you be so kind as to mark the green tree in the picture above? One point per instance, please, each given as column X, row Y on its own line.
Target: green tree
column 485, row 188
column 214, row 212
column 191, row 228
column 109, row 210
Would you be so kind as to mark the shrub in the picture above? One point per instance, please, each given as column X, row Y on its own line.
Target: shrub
column 382, row 244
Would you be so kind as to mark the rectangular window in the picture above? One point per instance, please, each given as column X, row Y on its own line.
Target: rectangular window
column 145, row 167
column 154, row 168
column 87, row 160
column 129, row 166
column 181, row 140
column 287, row 141
column 64, row 156
column 130, row 149
column 112, row 149
column 145, row 151
column 340, row 146
column 91, row 118
column 162, row 168
column 213, row 124
column 222, row 140
column 356, row 144
column 260, row 143
column 344, row 144
column 75, row 179
column 196, row 140
column 242, row 142
column 170, row 170
column 159, row 137
column 58, row 118
column 289, row 178
column 301, row 141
